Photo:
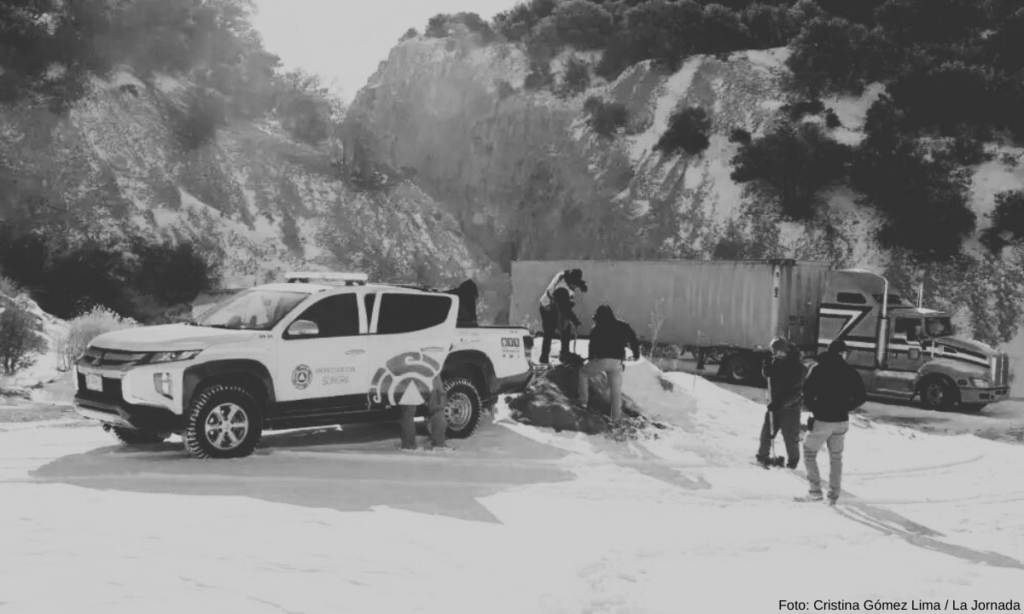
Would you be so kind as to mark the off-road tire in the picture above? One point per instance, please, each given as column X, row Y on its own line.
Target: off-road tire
column 134, row 437
column 222, row 397
column 460, row 392
column 938, row 394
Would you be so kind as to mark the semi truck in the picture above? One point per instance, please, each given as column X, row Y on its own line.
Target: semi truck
column 725, row 312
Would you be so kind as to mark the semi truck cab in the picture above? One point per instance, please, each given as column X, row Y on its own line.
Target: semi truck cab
column 905, row 352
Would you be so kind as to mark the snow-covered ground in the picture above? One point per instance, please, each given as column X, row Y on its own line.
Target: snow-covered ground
column 517, row 519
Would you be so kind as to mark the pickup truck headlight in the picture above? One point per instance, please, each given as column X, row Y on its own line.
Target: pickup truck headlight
column 180, row 355
column 979, row 383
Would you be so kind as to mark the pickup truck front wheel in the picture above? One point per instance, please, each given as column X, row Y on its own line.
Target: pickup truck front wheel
column 223, row 421
column 463, row 409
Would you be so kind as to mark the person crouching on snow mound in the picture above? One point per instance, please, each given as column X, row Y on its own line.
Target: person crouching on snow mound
column 833, row 389
column 785, row 374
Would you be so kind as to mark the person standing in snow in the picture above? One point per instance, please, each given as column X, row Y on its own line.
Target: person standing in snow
column 785, row 374
column 833, row 389
column 607, row 353
column 556, row 310
column 437, row 422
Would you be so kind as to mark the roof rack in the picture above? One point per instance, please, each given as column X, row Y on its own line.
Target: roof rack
column 348, row 279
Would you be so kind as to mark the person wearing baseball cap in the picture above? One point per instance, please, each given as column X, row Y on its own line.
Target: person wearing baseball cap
column 784, row 371
column 833, row 389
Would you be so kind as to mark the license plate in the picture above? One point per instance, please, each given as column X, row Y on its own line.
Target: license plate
column 94, row 382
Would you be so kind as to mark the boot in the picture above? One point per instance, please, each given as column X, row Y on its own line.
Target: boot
column 812, row 497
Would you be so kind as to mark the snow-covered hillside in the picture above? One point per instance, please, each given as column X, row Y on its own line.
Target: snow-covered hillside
column 516, row 519
column 255, row 200
column 529, row 179
column 28, row 382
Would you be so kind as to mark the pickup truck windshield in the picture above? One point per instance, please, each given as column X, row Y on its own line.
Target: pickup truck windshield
column 252, row 310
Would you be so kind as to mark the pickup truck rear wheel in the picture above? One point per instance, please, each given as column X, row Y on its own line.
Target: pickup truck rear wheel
column 223, row 421
column 463, row 409
column 135, row 437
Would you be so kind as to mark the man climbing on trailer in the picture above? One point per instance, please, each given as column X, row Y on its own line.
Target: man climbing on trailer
column 556, row 310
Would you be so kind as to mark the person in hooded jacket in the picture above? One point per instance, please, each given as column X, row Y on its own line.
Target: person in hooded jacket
column 833, row 389
column 607, row 352
column 556, row 310
column 784, row 371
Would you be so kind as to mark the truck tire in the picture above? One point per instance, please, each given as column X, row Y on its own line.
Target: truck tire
column 464, row 408
column 134, row 437
column 223, row 421
column 938, row 393
column 738, row 369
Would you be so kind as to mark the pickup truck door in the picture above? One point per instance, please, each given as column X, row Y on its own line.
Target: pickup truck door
column 325, row 373
column 411, row 334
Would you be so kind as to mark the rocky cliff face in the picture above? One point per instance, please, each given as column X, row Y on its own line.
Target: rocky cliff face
column 527, row 178
column 255, row 200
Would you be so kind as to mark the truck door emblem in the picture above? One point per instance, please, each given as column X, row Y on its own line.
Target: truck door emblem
column 852, row 316
column 301, row 377
column 406, row 379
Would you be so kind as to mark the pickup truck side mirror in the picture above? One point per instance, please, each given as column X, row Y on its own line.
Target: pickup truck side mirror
column 303, row 328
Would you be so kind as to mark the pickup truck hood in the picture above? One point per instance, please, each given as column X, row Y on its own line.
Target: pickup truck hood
column 169, row 338
column 963, row 344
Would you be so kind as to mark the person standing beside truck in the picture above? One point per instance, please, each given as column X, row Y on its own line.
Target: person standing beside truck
column 833, row 389
column 785, row 374
column 607, row 354
column 556, row 310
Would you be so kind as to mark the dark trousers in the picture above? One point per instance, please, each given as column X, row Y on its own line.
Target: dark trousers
column 549, row 321
column 788, row 421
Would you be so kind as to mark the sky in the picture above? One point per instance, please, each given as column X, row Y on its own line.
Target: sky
column 343, row 42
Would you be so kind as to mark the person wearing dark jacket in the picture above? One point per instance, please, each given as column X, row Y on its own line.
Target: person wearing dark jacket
column 556, row 310
column 468, row 294
column 833, row 389
column 785, row 374
column 608, row 341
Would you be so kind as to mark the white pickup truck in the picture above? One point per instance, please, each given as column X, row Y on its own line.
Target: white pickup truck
column 320, row 349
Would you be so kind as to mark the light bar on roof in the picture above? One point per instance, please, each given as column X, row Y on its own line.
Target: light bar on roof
column 328, row 277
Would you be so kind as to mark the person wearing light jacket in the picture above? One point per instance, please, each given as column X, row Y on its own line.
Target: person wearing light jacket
column 833, row 389
column 556, row 310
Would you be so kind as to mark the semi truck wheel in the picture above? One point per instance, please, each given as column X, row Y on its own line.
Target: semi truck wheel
column 937, row 393
column 223, row 421
column 738, row 370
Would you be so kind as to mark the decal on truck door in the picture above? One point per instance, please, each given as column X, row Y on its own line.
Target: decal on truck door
column 849, row 315
column 406, row 379
column 301, row 377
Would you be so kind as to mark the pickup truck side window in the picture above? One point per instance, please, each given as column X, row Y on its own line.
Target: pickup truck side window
column 335, row 316
column 406, row 313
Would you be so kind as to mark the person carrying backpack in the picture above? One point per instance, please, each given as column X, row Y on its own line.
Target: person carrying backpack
column 833, row 389
column 785, row 374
